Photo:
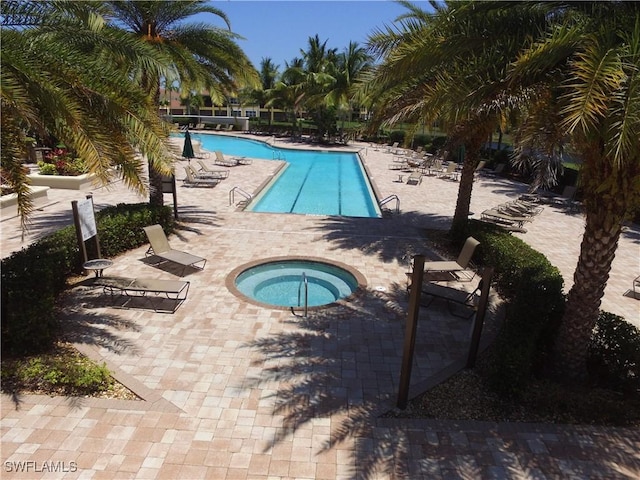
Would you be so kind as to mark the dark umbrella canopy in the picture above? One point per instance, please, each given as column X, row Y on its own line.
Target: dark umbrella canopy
column 187, row 150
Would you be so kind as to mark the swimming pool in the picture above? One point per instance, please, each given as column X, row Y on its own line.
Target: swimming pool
column 314, row 182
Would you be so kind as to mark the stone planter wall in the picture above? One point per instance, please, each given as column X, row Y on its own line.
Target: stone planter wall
column 60, row 181
column 9, row 203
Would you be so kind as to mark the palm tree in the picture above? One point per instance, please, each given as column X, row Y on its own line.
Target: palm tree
column 586, row 70
column 65, row 75
column 319, row 77
column 288, row 92
column 451, row 65
column 268, row 77
column 202, row 57
column 350, row 66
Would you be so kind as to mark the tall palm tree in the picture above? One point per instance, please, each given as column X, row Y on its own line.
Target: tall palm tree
column 587, row 72
column 351, row 64
column 66, row 75
column 203, row 57
column 268, row 77
column 451, row 65
column 320, row 69
column 288, row 93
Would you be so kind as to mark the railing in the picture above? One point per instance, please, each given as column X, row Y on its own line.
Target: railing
column 232, row 195
column 278, row 155
column 388, row 199
column 305, row 282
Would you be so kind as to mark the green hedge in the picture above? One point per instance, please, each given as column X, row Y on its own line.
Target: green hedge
column 614, row 354
column 33, row 278
column 532, row 288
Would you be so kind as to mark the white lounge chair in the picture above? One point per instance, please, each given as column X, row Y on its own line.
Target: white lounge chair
column 224, row 161
column 198, row 152
column 192, row 179
column 205, row 171
column 415, row 178
column 450, row 172
column 159, row 247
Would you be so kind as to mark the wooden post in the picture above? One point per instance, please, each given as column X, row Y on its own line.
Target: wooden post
column 478, row 320
column 169, row 186
column 410, row 330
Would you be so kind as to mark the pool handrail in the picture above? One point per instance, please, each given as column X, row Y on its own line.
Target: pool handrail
column 246, row 195
column 384, row 201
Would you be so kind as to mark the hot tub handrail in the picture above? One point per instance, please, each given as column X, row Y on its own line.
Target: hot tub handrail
column 305, row 282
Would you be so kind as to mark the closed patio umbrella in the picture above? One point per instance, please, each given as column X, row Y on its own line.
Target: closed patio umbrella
column 187, row 150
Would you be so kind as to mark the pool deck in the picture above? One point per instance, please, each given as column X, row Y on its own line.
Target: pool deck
column 234, row 391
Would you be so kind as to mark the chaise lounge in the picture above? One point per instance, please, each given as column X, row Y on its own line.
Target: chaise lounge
column 415, row 178
column 222, row 160
column 205, row 171
column 192, row 179
column 159, row 247
column 164, row 296
column 457, row 269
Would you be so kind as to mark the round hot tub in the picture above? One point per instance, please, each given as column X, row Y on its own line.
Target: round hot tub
column 285, row 282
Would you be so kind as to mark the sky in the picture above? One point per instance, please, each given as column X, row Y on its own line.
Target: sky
column 280, row 29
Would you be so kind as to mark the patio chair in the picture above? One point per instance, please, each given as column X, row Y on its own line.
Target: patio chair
column 399, row 166
column 230, row 127
column 450, row 172
column 164, row 296
column 392, row 148
column 222, row 160
column 450, row 270
column 455, row 266
column 568, row 198
column 218, row 127
column 192, row 179
column 205, row 171
column 415, row 178
column 435, row 167
column 480, row 166
column 243, row 160
column 499, row 168
column 520, row 207
column 198, row 152
column 502, row 216
column 159, row 247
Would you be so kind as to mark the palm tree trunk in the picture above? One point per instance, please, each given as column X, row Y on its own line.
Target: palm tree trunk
column 599, row 244
column 471, row 159
column 156, row 197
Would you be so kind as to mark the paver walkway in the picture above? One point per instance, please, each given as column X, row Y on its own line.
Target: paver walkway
column 235, row 391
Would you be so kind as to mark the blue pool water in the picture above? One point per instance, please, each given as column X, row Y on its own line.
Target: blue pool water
column 279, row 283
column 314, row 182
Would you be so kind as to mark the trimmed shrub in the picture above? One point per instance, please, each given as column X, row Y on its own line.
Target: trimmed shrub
column 397, row 136
column 532, row 286
column 614, row 354
column 33, row 278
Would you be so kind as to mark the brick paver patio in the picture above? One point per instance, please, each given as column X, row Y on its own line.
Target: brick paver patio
column 231, row 390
